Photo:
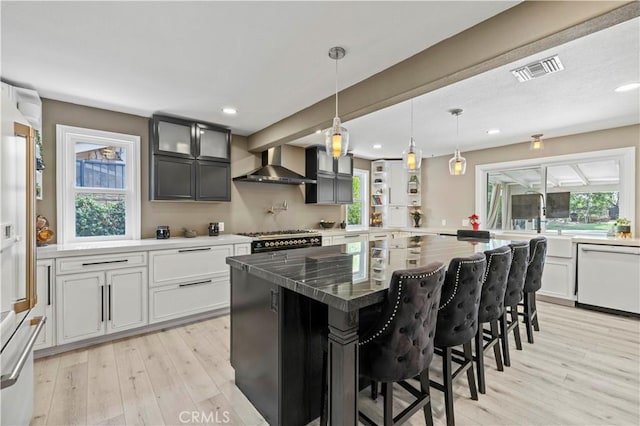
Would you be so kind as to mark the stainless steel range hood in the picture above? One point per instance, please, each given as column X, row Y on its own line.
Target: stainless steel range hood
column 272, row 171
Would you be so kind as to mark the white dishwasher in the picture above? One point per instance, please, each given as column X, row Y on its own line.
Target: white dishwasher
column 609, row 276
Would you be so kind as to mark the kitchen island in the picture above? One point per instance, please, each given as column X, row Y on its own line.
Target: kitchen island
column 282, row 303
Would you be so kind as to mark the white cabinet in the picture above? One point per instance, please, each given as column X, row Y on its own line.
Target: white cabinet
column 178, row 300
column 558, row 275
column 327, row 240
column 242, row 249
column 46, row 301
column 188, row 264
column 348, row 238
column 397, row 178
column 397, row 217
column 108, row 298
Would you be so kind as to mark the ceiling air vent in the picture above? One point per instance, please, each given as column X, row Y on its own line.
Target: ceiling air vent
column 538, row 69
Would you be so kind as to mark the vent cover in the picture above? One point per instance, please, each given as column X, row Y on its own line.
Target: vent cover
column 538, row 69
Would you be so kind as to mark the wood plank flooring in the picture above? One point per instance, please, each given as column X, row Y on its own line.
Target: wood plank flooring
column 584, row 369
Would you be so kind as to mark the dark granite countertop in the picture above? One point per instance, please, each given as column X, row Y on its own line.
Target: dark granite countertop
column 353, row 275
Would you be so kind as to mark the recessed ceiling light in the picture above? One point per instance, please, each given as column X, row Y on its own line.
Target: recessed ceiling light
column 377, row 146
column 627, row 87
column 493, row 131
column 318, row 131
column 229, row 110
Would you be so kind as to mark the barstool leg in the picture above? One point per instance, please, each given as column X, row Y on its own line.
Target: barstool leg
column 387, row 394
column 468, row 356
column 528, row 323
column 516, row 329
column 447, row 381
column 424, row 388
column 480, row 359
column 534, row 314
column 504, row 338
column 495, row 335
column 374, row 390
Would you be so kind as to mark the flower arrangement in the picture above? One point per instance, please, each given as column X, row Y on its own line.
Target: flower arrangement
column 474, row 221
column 416, row 214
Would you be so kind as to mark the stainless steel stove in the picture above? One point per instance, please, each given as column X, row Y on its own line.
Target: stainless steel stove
column 283, row 240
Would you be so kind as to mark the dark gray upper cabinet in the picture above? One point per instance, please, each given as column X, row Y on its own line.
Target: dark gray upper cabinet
column 189, row 160
column 334, row 176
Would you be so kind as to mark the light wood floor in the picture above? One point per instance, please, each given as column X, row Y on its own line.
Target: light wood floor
column 584, row 369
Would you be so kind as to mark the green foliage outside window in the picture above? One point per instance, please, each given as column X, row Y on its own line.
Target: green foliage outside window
column 354, row 211
column 98, row 217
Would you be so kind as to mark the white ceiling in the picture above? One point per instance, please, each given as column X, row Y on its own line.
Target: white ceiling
column 267, row 59
column 579, row 99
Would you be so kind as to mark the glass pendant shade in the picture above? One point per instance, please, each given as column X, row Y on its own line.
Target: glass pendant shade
column 412, row 157
column 537, row 143
column 457, row 164
column 336, row 139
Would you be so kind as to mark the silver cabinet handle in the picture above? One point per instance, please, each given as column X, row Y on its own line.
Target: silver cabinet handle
column 190, row 250
column 196, row 283
column 610, row 251
column 105, row 262
column 10, row 379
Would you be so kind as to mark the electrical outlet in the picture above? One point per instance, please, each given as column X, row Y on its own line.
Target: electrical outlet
column 444, row 222
column 465, row 222
column 221, row 226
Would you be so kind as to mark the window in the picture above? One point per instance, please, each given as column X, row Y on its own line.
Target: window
column 98, row 185
column 584, row 192
column 358, row 212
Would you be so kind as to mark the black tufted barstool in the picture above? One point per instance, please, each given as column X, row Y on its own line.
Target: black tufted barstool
column 398, row 344
column 513, row 296
column 532, row 283
column 458, row 323
column 491, row 308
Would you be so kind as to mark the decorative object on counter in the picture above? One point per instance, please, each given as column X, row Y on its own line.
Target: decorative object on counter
column 162, row 232
column 474, row 220
column 413, row 184
column 376, row 219
column 336, row 138
column 623, row 227
column 43, row 233
column 189, row 233
column 536, row 144
column 343, row 224
column 457, row 164
column 412, row 156
column 327, row 224
column 416, row 214
column 214, row 229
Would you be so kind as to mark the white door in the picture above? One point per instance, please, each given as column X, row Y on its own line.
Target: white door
column 81, row 306
column 397, row 184
column 127, row 299
column 398, row 217
column 45, row 291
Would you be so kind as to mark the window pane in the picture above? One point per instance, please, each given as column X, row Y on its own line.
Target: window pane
column 99, row 214
column 354, row 214
column 100, row 166
column 508, row 206
column 357, row 194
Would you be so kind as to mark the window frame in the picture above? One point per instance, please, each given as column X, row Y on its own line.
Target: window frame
column 625, row 156
column 66, row 138
column 364, row 197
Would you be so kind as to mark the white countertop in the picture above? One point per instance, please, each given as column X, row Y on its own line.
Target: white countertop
column 104, row 247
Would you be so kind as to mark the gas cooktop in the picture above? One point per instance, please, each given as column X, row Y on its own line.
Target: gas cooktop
column 280, row 234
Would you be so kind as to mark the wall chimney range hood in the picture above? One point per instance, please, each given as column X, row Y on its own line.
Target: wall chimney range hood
column 272, row 171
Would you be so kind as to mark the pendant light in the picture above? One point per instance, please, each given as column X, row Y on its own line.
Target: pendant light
column 336, row 138
column 457, row 164
column 536, row 144
column 412, row 156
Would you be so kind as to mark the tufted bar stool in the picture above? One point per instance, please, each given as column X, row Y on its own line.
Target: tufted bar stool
column 398, row 344
column 491, row 308
column 513, row 296
column 458, row 324
column 533, row 283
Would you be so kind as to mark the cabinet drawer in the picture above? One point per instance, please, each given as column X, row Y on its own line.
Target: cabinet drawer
column 379, row 236
column 188, row 265
column 70, row 265
column 179, row 300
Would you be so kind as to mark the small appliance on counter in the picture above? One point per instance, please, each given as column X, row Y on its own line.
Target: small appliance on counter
column 162, row 232
column 214, row 229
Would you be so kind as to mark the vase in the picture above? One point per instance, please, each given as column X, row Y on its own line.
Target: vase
column 416, row 221
column 475, row 226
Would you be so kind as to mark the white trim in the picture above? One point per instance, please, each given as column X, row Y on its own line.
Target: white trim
column 627, row 189
column 66, row 137
column 364, row 192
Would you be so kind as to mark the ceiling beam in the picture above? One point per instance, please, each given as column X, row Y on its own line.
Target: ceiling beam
column 519, row 32
column 518, row 180
column 581, row 175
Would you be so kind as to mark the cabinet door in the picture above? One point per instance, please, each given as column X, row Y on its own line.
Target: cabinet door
column 325, row 161
column 398, row 217
column 397, row 184
column 172, row 136
column 322, row 192
column 213, row 143
column 189, row 264
column 44, row 307
column 213, row 181
column 80, row 306
column 345, row 165
column 173, row 178
column 344, row 189
column 127, row 299
column 179, row 300
column 242, row 249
